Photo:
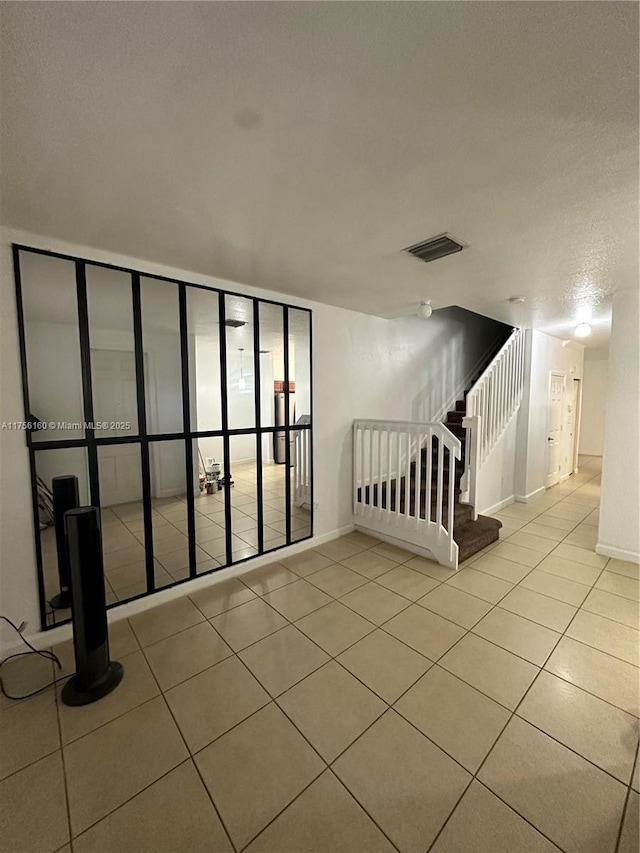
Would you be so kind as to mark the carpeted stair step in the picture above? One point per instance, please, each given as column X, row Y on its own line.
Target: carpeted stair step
column 473, row 536
column 461, row 406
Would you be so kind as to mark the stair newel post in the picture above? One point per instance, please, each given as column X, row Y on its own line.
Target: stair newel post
column 472, row 424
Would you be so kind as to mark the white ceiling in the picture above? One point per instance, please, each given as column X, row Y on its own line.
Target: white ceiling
column 300, row 146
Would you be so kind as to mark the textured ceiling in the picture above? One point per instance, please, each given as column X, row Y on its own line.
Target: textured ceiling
column 300, row 146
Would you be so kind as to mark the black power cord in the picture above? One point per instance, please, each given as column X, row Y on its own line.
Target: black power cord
column 48, row 655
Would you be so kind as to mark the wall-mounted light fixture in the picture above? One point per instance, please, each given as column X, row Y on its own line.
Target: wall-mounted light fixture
column 425, row 310
column 242, row 384
column 582, row 330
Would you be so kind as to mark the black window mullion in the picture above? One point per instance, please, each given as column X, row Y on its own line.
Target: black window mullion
column 186, row 421
column 287, row 445
column 145, row 462
column 311, row 508
column 87, row 387
column 224, row 417
column 256, row 388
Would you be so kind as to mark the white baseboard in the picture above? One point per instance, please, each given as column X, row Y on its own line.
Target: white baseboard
column 617, row 553
column 497, row 507
column 46, row 639
column 523, row 499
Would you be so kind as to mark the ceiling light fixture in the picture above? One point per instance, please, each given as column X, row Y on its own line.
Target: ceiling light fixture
column 582, row 330
column 516, row 300
column 242, row 384
column 425, row 310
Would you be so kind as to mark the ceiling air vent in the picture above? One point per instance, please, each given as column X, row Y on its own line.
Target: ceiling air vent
column 436, row 247
column 235, row 324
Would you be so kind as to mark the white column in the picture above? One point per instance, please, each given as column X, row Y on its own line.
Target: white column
column 619, row 531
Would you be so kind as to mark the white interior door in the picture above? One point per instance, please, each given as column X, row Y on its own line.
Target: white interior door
column 554, row 435
column 115, row 402
column 571, row 425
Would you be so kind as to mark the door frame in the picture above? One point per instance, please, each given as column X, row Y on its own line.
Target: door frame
column 554, row 374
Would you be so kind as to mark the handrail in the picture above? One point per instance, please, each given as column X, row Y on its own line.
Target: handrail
column 400, row 482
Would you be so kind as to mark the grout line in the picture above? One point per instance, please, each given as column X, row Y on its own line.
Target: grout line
column 64, row 769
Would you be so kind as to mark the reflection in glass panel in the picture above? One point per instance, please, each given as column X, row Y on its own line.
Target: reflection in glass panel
column 162, row 358
column 50, row 464
column 300, row 361
column 271, row 366
column 120, row 473
column 169, row 502
column 204, row 359
column 240, row 372
column 208, row 454
column 113, row 366
column 300, row 480
column 244, row 510
column 300, row 444
column 52, row 345
column 274, row 501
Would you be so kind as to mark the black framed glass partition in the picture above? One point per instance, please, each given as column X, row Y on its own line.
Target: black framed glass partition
column 183, row 410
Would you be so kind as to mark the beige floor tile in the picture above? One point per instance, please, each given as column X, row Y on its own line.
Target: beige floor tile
column 296, row 600
column 543, row 531
column 112, row 764
column 510, row 521
column 556, row 587
column 331, row 708
column 569, row 569
column 169, row 545
column 498, row 567
column 492, row 670
column 183, row 655
column 553, row 793
column 572, row 513
column 614, row 607
column 209, row 704
column 282, row 659
column 256, row 770
column 623, row 567
column 455, row 605
column 407, row 583
column 391, row 770
column 24, row 675
column 619, row 585
column 532, row 541
column 336, row 580
column 462, row 721
column 33, row 809
column 524, row 638
column 369, row 564
column 392, row 552
column 430, row 568
column 384, row 664
column 28, row 732
column 247, row 623
column 481, row 585
column 307, row 562
column 518, row 554
column 164, row 620
column 123, row 557
column 334, row 627
column 173, row 815
column 606, row 635
column 268, row 578
column 519, row 511
column 482, row 823
column 594, row 729
column 549, row 520
column 630, row 829
column 584, row 536
column 137, row 686
column 635, row 779
column 375, row 602
column 362, row 540
column 424, row 631
column 339, row 549
column 221, row 597
column 539, row 608
column 324, row 818
column 596, row 672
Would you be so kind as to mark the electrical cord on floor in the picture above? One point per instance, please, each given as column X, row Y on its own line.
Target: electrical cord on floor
column 45, row 653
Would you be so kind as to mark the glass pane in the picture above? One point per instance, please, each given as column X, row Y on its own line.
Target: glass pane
column 244, row 509
column 50, row 464
column 169, row 501
column 209, row 504
column 271, row 363
column 300, row 444
column 113, row 367
column 204, row 359
column 123, row 542
column 240, row 372
column 300, row 362
column 52, row 346
column 274, row 502
column 162, row 357
column 300, row 479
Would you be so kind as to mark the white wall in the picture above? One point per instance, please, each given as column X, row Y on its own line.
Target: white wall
column 544, row 355
column 619, row 530
column 594, row 402
column 363, row 367
column 496, row 478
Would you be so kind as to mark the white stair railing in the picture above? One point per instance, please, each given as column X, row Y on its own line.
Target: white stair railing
column 393, row 495
column 302, row 464
column 491, row 403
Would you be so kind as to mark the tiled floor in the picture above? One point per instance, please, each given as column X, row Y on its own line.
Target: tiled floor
column 123, row 535
column 355, row 699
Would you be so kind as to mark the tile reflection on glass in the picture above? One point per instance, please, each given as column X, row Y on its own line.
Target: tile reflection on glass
column 208, row 454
